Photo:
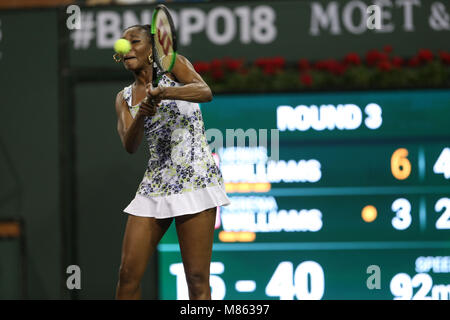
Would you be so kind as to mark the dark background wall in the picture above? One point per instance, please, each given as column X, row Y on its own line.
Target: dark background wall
column 105, row 177
column 29, row 175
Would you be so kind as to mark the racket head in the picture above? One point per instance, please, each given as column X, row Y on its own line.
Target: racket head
column 164, row 40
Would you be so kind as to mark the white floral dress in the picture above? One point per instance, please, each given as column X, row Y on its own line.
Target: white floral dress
column 181, row 176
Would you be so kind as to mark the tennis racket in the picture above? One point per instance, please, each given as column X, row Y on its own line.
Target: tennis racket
column 164, row 43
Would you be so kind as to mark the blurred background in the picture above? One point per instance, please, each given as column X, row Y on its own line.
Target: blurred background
column 345, row 195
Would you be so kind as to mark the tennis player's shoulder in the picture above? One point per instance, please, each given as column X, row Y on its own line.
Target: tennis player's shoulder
column 120, row 97
column 120, row 100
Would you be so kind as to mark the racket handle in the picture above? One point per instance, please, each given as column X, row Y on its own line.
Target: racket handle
column 155, row 82
column 155, row 78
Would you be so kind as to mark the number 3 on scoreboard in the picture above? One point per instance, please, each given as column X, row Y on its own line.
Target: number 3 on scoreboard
column 402, row 219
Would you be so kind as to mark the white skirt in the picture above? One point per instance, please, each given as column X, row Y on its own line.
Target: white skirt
column 178, row 204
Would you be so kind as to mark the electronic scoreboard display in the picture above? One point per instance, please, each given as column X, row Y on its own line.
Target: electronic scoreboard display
column 333, row 196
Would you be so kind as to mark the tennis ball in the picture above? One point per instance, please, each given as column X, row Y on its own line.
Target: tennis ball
column 122, row 46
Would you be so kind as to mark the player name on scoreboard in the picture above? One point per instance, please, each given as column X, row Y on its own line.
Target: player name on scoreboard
column 324, row 189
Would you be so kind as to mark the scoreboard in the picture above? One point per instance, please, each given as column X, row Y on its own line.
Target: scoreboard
column 333, row 196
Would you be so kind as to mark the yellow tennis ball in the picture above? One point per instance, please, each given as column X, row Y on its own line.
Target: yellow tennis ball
column 122, row 46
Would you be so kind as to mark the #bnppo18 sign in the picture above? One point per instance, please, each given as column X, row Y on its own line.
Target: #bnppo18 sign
column 293, row 29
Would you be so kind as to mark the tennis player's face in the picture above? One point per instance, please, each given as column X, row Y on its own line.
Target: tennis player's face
column 137, row 58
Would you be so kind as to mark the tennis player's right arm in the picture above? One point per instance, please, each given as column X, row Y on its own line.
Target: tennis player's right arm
column 130, row 130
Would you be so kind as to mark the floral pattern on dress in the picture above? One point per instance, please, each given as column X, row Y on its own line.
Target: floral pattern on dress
column 180, row 159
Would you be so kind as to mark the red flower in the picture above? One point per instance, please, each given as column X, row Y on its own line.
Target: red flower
column 352, row 58
column 306, row 79
column 445, row 57
column 339, row 69
column 397, row 61
column 217, row 74
column 320, row 65
column 425, row 55
column 384, row 66
column 202, row 67
column 261, row 62
column 269, row 69
column 233, row 64
column 270, row 65
column 278, row 62
column 387, row 49
column 216, row 64
column 331, row 66
column 303, row 64
column 414, row 62
column 373, row 57
column 217, row 69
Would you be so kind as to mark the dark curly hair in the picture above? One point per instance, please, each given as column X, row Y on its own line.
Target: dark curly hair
column 144, row 27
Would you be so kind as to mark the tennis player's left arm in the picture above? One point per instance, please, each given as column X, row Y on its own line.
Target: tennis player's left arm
column 194, row 89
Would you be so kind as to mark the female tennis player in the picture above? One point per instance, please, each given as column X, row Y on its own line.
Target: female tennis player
column 181, row 182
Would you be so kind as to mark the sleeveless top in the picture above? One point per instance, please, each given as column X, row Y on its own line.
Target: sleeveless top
column 180, row 166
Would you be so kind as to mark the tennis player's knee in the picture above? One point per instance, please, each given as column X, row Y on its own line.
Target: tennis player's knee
column 128, row 277
column 198, row 284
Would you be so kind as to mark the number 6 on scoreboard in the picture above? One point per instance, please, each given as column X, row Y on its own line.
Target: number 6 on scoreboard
column 400, row 165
